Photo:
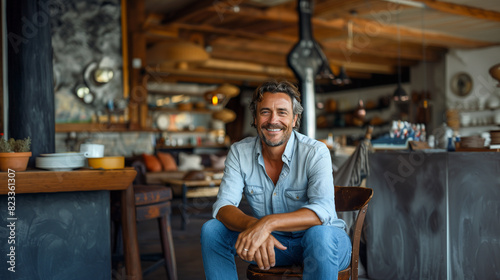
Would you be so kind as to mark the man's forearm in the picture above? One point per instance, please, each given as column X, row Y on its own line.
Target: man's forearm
column 234, row 219
column 301, row 219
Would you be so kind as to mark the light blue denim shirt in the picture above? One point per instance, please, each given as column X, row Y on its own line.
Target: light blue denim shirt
column 305, row 181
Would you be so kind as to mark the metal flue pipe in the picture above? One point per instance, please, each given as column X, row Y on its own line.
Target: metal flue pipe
column 307, row 61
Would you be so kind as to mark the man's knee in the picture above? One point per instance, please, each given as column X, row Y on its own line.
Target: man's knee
column 317, row 233
column 210, row 229
column 325, row 237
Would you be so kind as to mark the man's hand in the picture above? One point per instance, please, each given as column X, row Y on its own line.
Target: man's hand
column 257, row 244
column 264, row 255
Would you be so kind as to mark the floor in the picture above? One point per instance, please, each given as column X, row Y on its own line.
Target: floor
column 187, row 243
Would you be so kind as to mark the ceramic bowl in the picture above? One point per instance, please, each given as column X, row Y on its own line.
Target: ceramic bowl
column 107, row 162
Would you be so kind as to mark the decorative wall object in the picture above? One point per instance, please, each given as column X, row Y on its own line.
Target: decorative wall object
column 85, row 33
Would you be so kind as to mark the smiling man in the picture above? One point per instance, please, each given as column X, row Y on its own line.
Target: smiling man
column 287, row 179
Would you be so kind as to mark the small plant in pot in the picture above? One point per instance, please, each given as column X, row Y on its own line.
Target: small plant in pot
column 14, row 154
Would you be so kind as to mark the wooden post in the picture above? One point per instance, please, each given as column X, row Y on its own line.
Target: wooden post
column 30, row 79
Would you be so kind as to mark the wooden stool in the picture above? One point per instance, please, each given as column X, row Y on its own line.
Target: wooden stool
column 150, row 202
column 154, row 202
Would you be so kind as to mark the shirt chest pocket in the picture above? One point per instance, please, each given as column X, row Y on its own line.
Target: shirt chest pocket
column 256, row 199
column 295, row 199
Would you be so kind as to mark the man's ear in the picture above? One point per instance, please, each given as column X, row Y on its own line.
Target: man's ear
column 295, row 117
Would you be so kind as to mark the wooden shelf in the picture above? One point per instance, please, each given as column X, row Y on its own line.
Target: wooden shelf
column 209, row 146
column 99, row 127
column 178, row 111
column 350, row 111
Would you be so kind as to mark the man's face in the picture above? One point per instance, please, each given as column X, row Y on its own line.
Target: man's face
column 274, row 118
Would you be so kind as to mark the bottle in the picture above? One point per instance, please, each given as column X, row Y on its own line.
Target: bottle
column 451, row 145
column 423, row 136
column 329, row 141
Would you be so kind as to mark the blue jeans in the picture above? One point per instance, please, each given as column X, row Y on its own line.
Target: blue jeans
column 323, row 250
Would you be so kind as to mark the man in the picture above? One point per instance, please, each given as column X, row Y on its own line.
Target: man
column 287, row 180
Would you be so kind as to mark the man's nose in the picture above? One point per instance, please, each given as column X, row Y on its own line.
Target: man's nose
column 274, row 117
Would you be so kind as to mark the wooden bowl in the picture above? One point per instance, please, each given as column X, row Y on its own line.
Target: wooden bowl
column 495, row 72
column 107, row 162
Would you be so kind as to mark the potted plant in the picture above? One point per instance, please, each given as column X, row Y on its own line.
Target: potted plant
column 14, row 154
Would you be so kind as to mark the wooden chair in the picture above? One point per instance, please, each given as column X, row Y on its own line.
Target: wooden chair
column 346, row 199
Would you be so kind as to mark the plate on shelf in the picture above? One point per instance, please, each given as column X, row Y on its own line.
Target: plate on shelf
column 62, row 154
column 162, row 121
column 60, row 163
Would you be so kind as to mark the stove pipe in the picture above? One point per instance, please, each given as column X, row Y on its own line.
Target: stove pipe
column 307, row 60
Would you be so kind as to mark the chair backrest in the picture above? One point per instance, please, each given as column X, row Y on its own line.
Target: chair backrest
column 352, row 199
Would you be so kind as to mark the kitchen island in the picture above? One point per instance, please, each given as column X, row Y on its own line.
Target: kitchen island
column 434, row 215
column 56, row 224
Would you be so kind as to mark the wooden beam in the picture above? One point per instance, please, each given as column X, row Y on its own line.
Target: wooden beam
column 212, row 73
column 275, row 53
column 370, row 28
column 189, row 11
column 224, row 52
column 365, row 67
column 247, row 67
column 461, row 10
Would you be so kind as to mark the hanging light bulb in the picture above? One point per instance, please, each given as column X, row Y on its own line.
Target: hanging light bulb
column 342, row 78
column 360, row 111
column 399, row 94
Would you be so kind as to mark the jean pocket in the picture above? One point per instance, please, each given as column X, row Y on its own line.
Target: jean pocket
column 295, row 199
column 255, row 197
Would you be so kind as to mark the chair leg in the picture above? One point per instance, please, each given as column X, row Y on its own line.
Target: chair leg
column 168, row 247
column 184, row 207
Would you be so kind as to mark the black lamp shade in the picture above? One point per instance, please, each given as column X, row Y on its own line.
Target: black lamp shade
column 400, row 94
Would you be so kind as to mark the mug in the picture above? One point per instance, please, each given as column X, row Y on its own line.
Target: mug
column 92, row 150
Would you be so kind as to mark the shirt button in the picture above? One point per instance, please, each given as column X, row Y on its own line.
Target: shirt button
column 251, row 191
column 274, row 194
column 297, row 197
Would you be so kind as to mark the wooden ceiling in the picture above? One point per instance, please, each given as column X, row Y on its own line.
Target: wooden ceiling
column 248, row 40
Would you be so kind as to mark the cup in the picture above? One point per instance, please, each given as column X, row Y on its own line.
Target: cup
column 92, row 150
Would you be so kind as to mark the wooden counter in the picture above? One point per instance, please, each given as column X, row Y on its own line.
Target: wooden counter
column 58, row 224
column 40, row 181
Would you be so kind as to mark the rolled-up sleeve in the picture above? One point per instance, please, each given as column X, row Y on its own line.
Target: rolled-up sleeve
column 321, row 190
column 231, row 187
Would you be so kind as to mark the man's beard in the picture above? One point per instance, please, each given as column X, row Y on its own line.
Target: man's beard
column 281, row 141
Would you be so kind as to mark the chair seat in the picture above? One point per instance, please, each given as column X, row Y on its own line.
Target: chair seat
column 285, row 272
column 151, row 194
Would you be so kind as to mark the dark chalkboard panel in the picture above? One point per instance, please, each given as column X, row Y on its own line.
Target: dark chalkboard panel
column 434, row 219
column 58, row 236
column 406, row 219
column 474, row 181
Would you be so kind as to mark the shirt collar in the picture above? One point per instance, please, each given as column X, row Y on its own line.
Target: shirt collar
column 288, row 154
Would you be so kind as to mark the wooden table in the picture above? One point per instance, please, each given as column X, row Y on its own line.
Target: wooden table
column 193, row 189
column 34, row 182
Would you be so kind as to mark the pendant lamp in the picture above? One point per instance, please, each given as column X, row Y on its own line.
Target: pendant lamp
column 342, row 78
